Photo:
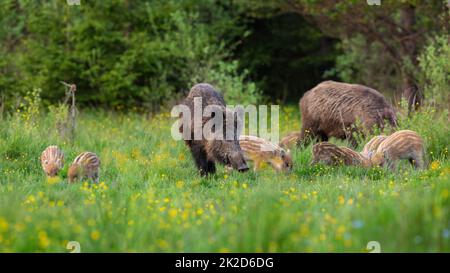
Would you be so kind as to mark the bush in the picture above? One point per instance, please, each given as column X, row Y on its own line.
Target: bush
column 232, row 84
column 119, row 53
column 365, row 63
column 434, row 63
column 432, row 124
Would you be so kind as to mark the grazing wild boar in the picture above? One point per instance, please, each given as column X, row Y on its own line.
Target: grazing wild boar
column 52, row 160
column 373, row 144
column 333, row 109
column 404, row 144
column 85, row 165
column 207, row 151
column 330, row 154
column 260, row 150
column 290, row 140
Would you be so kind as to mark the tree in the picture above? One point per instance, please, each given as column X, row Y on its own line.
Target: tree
column 121, row 53
column 400, row 27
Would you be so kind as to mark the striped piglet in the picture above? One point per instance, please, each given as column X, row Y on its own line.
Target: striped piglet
column 290, row 140
column 331, row 154
column 52, row 160
column 404, row 144
column 372, row 145
column 260, row 151
column 85, row 165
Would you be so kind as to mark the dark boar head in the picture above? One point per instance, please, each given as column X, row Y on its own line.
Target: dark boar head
column 222, row 142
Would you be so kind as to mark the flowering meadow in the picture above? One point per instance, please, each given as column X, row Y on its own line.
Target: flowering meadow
column 150, row 197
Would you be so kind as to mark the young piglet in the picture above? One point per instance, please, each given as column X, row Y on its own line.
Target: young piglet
column 52, row 160
column 85, row 165
column 260, row 150
column 373, row 144
column 290, row 140
column 330, row 154
column 400, row 145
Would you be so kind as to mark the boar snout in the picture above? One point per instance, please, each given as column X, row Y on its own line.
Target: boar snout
column 243, row 168
column 52, row 170
column 238, row 162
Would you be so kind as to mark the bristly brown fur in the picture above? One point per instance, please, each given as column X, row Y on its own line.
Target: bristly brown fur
column 207, row 152
column 332, row 109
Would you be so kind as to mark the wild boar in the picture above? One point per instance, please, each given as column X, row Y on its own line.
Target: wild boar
column 373, row 144
column 290, row 140
column 85, row 165
column 333, row 109
column 404, row 144
column 331, row 154
column 52, row 160
column 207, row 150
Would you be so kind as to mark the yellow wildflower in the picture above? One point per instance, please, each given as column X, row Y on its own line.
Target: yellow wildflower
column 173, row 213
column 3, row 225
column 95, row 235
column 53, row 180
column 435, row 165
column 44, row 241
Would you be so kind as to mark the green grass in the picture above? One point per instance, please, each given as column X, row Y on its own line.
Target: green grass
column 151, row 198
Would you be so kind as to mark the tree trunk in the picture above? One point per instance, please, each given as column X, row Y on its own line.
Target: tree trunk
column 411, row 92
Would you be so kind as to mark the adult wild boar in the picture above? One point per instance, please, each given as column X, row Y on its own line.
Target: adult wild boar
column 333, row 109
column 205, row 150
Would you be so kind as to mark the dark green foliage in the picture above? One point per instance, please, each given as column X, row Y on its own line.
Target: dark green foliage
column 286, row 55
column 126, row 54
column 119, row 53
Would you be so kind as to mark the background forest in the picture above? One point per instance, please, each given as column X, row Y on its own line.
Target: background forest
column 147, row 54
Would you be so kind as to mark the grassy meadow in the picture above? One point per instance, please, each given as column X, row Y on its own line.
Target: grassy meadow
column 151, row 199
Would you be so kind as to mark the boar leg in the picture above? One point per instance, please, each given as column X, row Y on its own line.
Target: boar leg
column 392, row 165
column 95, row 177
column 256, row 165
column 211, row 167
column 201, row 159
column 417, row 162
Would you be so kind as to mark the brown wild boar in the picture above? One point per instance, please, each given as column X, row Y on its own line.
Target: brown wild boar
column 85, row 165
column 207, row 151
column 330, row 154
column 333, row 109
column 259, row 150
column 373, row 144
column 52, row 160
column 290, row 140
column 404, row 144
